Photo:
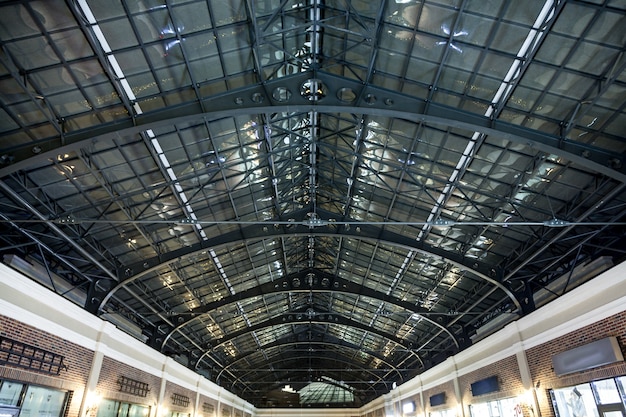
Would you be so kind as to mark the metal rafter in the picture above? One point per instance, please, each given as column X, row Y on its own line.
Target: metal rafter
column 315, row 216
column 133, row 272
column 325, row 340
column 321, row 318
column 326, row 283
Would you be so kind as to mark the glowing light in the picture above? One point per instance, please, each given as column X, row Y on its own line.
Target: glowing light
column 92, row 401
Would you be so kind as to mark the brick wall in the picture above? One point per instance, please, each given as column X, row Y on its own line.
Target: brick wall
column 79, row 359
column 448, row 389
column 540, row 358
column 207, row 407
column 170, row 390
column 109, row 388
column 76, row 358
column 509, row 377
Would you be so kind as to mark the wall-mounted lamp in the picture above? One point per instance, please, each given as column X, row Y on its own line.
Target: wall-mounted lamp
column 92, row 401
column 408, row 408
column 527, row 399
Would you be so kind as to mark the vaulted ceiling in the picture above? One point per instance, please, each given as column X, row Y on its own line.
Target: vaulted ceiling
column 334, row 195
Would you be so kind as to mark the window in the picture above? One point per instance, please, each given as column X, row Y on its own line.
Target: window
column 574, row 401
column 506, row 407
column 10, row 393
column 112, row 408
column 442, row 413
column 592, row 399
column 43, row 402
column 31, row 400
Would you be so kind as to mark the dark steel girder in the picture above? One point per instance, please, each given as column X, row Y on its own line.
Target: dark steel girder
column 386, row 104
column 293, row 372
column 327, row 340
column 296, row 318
column 269, row 230
column 4, row 187
column 325, row 282
column 340, row 365
column 295, row 364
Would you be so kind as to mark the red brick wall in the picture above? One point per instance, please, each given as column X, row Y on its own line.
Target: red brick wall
column 79, row 361
column 76, row 358
column 208, row 401
column 451, row 401
column 108, row 387
column 540, row 358
column 509, row 377
column 170, row 389
column 226, row 411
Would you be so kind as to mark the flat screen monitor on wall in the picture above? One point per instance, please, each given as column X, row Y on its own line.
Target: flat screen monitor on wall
column 485, row 386
column 438, row 399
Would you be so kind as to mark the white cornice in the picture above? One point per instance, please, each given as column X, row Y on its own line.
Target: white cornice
column 34, row 305
column 597, row 299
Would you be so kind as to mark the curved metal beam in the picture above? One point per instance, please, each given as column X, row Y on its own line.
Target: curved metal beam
column 297, row 282
column 326, row 362
column 381, row 102
column 324, row 358
column 362, row 396
column 321, row 318
column 265, row 231
column 327, row 340
column 256, row 99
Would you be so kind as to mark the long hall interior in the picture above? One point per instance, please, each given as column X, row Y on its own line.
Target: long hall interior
column 350, row 208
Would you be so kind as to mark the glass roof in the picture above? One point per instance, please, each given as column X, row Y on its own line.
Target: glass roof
column 332, row 194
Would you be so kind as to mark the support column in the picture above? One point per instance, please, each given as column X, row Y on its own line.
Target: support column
column 458, row 394
column 197, row 403
column 91, row 398
column 527, row 381
column 422, row 405
column 160, row 409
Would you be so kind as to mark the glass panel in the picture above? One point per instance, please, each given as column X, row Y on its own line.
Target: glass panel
column 449, row 413
column 123, row 410
column 507, row 407
column 112, row 408
column 575, row 401
column 477, row 410
column 606, row 391
column 6, row 411
column 43, row 402
column 322, row 392
column 108, row 408
column 10, row 392
column 621, row 385
column 495, row 409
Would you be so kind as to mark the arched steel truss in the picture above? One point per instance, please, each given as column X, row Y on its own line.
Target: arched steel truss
column 268, row 230
column 376, row 380
column 326, row 340
column 258, row 100
column 324, row 282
